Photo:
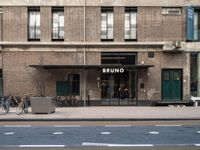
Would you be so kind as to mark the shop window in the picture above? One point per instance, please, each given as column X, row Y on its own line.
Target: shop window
column 58, row 24
column 107, row 24
column 74, row 84
column 34, row 24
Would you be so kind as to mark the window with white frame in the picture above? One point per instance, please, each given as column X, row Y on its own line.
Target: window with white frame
column 130, row 25
column 107, row 23
column 171, row 11
column 58, row 23
column 34, row 23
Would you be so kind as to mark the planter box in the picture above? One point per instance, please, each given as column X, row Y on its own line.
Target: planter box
column 42, row 105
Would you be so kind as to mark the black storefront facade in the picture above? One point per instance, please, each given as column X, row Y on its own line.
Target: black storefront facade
column 117, row 80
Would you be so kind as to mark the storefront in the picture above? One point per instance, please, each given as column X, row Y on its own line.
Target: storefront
column 118, row 84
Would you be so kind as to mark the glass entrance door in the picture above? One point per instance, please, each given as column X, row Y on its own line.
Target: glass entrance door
column 117, row 89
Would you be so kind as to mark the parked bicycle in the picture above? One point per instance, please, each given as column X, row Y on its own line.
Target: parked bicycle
column 66, row 101
column 4, row 105
column 19, row 103
column 23, row 104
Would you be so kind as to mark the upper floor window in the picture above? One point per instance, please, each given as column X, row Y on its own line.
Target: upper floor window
column 34, row 23
column 107, row 24
column 58, row 23
column 130, row 26
column 171, row 11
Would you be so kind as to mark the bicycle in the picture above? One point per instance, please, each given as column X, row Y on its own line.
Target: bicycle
column 5, row 105
column 22, row 105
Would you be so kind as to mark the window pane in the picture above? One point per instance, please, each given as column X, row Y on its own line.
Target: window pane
column 31, row 19
column 166, row 76
column 37, row 19
column 107, row 25
column 176, row 76
column 127, row 20
column 133, row 19
column 110, row 19
column 133, row 33
column 34, row 24
column 61, row 23
column 58, row 24
column 110, row 33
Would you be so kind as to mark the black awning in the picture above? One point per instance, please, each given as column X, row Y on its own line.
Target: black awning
column 137, row 66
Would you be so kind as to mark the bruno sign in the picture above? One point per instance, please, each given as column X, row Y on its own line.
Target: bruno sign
column 113, row 70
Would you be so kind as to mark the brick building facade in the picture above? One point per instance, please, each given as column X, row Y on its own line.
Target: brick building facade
column 77, row 40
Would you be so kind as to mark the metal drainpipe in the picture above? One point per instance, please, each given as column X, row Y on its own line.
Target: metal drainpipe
column 84, row 58
column 1, row 17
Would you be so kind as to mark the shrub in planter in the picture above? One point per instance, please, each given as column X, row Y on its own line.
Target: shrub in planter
column 41, row 103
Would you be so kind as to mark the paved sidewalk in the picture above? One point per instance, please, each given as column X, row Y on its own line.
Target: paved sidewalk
column 111, row 113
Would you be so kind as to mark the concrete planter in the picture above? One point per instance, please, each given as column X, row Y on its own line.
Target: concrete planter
column 42, row 105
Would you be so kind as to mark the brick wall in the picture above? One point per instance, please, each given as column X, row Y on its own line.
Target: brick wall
column 153, row 26
column 74, row 24
column 15, row 23
column 119, row 24
column 149, row 24
column 46, row 24
column 93, row 24
column 161, row 61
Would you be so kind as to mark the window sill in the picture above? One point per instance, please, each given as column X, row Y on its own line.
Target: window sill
column 130, row 40
column 33, row 39
column 107, row 40
column 54, row 40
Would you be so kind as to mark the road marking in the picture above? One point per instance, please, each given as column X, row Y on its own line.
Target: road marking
column 58, row 133
column 197, row 145
column 55, row 146
column 9, row 133
column 116, row 145
column 153, row 132
column 168, row 125
column 66, row 126
column 105, row 133
column 17, row 126
column 117, row 126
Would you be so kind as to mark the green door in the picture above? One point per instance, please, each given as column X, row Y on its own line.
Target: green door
column 171, row 84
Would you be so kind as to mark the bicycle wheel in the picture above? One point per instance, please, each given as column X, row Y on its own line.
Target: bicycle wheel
column 19, row 109
column 3, row 109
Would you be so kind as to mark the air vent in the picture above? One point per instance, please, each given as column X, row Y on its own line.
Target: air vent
column 171, row 11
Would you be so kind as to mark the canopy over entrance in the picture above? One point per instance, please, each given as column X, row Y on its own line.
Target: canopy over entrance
column 137, row 66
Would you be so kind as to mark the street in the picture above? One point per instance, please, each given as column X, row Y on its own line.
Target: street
column 114, row 135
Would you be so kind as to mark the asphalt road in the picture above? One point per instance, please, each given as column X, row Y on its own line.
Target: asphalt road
column 107, row 136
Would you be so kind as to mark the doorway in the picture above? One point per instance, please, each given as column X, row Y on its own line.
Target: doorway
column 118, row 89
column 172, row 84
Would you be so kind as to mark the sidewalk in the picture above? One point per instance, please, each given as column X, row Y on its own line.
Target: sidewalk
column 109, row 113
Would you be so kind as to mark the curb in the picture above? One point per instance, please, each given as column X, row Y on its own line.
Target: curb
column 101, row 119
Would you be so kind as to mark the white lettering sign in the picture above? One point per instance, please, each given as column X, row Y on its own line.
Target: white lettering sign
column 113, row 70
